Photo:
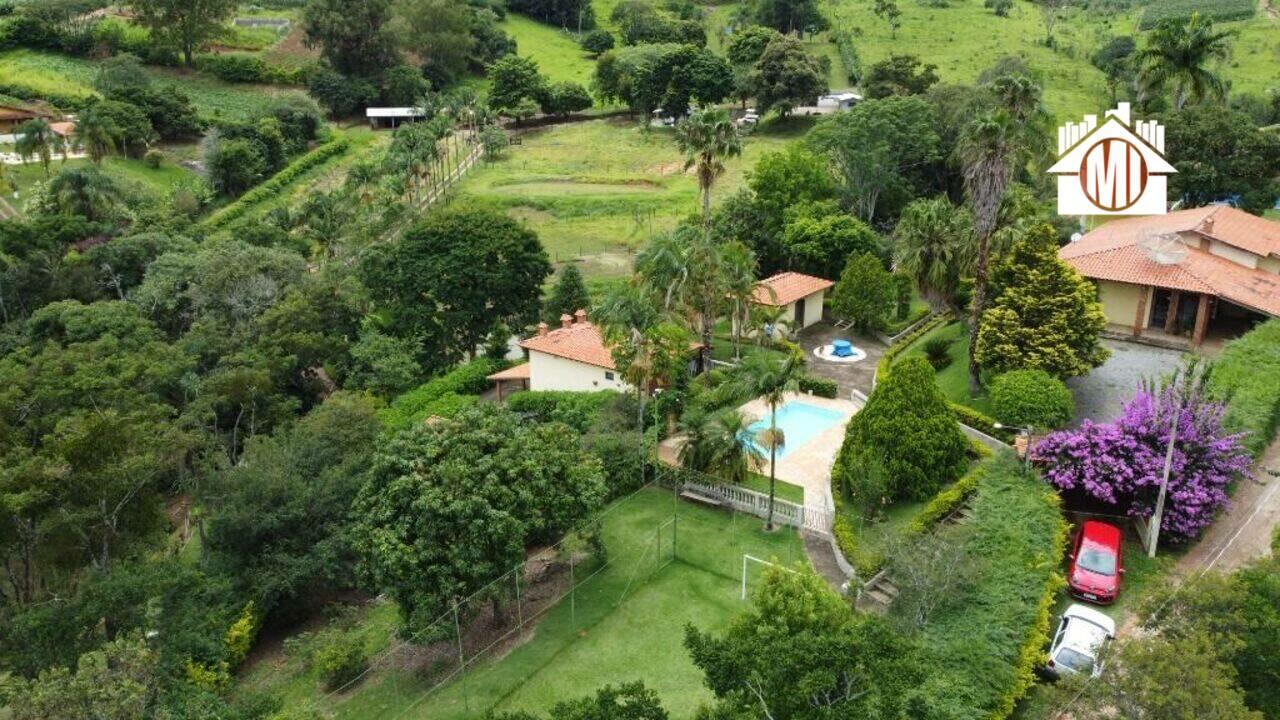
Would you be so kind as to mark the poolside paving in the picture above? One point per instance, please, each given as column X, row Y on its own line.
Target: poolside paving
column 809, row 465
column 847, row 376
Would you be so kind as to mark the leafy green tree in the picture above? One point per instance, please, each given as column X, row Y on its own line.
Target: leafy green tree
column 1153, row 676
column 786, row 76
column 907, row 426
column 568, row 296
column 280, row 522
column 118, row 681
column 882, row 152
column 98, row 134
column 629, row 701
column 719, row 443
column 123, row 261
column 185, row 25
column 1031, row 398
column 684, row 272
column 449, row 507
column 513, row 79
column 83, row 191
column 888, row 11
column 1115, row 60
column 353, row 35
column 933, row 244
column 818, row 237
column 779, row 182
column 1220, row 153
column 706, row 139
column 133, row 132
column 235, row 165
column 404, row 86
column 1177, row 58
column 801, row 653
column 865, row 294
column 342, row 96
column 1043, row 314
column 383, row 365
column 450, row 276
column 770, row 376
column 567, row 14
column 438, row 33
column 598, row 42
column 748, row 44
column 563, row 98
column 37, row 139
column 899, row 75
column 791, row 16
column 668, row 76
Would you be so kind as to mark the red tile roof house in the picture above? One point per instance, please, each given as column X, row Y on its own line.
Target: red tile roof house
column 571, row 357
column 801, row 295
column 1183, row 278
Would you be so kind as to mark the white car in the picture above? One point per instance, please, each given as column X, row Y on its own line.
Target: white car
column 1082, row 634
column 749, row 118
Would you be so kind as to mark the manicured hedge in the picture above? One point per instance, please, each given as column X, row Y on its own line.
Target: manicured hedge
column 886, row 360
column 966, row 415
column 1247, row 376
column 278, row 182
column 987, row 644
column 443, row 396
column 822, row 387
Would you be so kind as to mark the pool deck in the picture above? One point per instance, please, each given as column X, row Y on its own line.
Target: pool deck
column 809, row 465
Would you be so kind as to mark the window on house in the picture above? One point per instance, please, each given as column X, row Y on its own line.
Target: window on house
column 608, row 375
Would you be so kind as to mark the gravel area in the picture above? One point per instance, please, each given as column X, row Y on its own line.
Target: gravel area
column 1100, row 394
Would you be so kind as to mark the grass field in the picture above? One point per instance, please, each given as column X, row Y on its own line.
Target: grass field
column 555, row 50
column 125, row 171
column 595, row 191
column 625, row 623
column 953, row 380
column 44, row 73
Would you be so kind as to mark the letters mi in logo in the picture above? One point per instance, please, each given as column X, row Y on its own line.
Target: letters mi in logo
column 1116, row 168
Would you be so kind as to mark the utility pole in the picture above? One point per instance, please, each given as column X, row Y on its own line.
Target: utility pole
column 1153, row 530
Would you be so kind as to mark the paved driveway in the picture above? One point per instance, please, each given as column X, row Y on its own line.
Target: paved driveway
column 848, row 376
column 1101, row 393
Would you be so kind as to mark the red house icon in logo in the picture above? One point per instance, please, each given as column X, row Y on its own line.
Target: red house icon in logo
column 1117, row 168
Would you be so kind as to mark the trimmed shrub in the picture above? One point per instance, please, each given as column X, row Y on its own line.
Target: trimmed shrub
column 938, row 352
column 820, row 386
column 946, row 501
column 442, row 396
column 1032, row 398
column 578, row 410
column 340, row 660
column 909, row 428
column 1247, row 377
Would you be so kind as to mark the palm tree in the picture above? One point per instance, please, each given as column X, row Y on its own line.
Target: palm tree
column 83, row 191
column 990, row 149
column 97, row 134
column 706, row 138
column 740, row 288
column 37, row 139
column 720, row 444
column 624, row 317
column 685, row 269
column 1177, row 55
column 770, row 376
column 769, row 322
column 933, row 244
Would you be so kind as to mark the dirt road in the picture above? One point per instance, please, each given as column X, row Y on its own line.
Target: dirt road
column 1244, row 532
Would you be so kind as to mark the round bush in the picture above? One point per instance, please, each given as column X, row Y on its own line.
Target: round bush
column 153, row 159
column 1031, row 397
column 341, row 660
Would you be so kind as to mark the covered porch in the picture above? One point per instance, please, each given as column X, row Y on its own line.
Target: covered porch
column 511, row 380
column 1170, row 317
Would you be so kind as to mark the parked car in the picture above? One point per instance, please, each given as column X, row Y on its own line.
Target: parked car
column 1096, row 563
column 1082, row 634
column 749, row 118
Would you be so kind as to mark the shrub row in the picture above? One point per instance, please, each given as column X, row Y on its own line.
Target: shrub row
column 966, row 415
column 244, row 68
column 278, row 182
column 442, row 396
column 1181, row 11
column 849, row 58
column 947, row 501
column 904, row 342
column 1017, row 538
column 578, row 410
column 1247, row 376
column 820, row 386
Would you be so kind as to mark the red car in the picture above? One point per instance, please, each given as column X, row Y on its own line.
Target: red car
column 1096, row 563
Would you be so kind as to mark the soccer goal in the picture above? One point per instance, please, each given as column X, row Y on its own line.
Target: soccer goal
column 751, row 561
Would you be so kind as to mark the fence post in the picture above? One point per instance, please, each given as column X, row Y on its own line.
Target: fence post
column 519, row 609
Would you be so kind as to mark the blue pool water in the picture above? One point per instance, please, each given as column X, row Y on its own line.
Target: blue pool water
column 799, row 422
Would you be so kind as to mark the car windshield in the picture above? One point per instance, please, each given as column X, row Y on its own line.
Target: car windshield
column 1074, row 660
column 1097, row 559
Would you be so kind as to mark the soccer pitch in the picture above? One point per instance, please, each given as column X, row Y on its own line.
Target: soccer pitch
column 669, row 564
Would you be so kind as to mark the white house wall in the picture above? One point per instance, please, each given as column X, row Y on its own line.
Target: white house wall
column 812, row 308
column 551, row 372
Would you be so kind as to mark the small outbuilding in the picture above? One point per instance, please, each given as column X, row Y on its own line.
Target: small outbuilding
column 393, row 117
column 801, row 295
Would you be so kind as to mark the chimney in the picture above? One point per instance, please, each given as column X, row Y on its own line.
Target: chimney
column 1206, row 227
column 580, row 316
column 542, row 329
column 566, row 320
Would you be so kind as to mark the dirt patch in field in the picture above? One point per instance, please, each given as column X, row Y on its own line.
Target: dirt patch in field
column 531, row 215
column 291, row 51
column 665, row 169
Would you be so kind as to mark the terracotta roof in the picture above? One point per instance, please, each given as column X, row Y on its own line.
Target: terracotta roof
column 63, row 128
column 581, row 341
column 788, row 287
column 1198, row 272
column 517, row 372
column 10, row 112
column 1220, row 222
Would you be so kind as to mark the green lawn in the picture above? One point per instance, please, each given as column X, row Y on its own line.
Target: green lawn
column 595, row 191
column 44, row 72
column 555, row 50
column 125, row 171
column 782, row 490
column 626, row 623
column 953, row 379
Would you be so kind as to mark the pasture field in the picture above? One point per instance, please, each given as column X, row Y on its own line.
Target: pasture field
column 626, row 622
column 125, row 171
column 45, row 73
column 595, row 191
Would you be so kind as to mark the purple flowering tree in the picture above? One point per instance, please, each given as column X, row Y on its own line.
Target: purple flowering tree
column 1121, row 463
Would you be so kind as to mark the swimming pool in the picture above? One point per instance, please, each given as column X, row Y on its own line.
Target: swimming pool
column 800, row 422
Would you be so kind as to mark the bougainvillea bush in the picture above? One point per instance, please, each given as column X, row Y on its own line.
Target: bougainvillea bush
column 1121, row 463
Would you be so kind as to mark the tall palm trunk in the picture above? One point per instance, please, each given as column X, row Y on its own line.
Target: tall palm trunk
column 773, row 460
column 979, row 301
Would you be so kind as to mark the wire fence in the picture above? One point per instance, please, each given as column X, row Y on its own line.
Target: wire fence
column 560, row 594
